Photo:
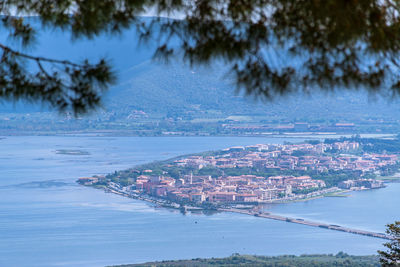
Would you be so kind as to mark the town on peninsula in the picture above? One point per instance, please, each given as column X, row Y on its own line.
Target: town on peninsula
column 245, row 176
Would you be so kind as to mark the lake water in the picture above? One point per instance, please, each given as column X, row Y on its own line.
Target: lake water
column 46, row 219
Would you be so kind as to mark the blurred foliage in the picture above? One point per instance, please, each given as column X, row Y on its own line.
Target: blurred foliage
column 391, row 257
column 273, row 47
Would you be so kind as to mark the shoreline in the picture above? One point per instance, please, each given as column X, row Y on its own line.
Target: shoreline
column 329, row 192
column 122, row 133
column 253, row 212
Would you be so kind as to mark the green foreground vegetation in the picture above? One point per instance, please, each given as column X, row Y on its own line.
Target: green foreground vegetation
column 338, row 260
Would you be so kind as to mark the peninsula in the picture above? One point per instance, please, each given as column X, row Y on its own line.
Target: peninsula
column 262, row 173
column 241, row 178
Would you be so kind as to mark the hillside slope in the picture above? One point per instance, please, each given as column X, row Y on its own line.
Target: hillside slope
column 176, row 90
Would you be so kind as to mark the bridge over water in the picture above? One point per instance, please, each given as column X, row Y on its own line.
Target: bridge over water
column 271, row 216
column 310, row 223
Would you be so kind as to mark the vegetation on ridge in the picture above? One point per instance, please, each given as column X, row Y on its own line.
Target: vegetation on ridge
column 339, row 260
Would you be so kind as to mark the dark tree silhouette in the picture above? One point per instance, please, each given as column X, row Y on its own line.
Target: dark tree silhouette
column 273, row 47
column 391, row 257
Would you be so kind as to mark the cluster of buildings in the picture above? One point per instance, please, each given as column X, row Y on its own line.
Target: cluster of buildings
column 302, row 157
column 361, row 183
column 226, row 189
column 252, row 188
column 298, row 127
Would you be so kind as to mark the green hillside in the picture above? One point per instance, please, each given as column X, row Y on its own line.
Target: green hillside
column 339, row 260
column 177, row 88
column 159, row 88
column 151, row 97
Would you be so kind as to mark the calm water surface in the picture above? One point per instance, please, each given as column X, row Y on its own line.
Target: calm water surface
column 48, row 220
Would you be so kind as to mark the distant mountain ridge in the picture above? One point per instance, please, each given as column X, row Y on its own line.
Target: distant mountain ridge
column 175, row 88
